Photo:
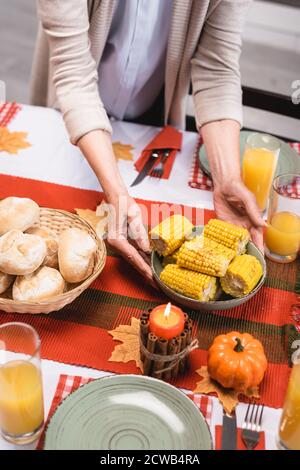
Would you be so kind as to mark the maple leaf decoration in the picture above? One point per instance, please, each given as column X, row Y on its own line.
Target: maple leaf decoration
column 12, row 142
column 123, row 151
column 129, row 350
column 97, row 219
column 228, row 397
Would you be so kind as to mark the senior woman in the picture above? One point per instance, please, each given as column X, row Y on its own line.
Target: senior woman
column 100, row 58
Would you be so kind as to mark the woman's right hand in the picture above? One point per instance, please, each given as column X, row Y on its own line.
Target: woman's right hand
column 127, row 234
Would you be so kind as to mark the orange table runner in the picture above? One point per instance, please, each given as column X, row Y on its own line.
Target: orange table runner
column 78, row 333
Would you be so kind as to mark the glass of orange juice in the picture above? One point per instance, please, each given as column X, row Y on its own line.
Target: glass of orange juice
column 259, row 165
column 282, row 237
column 289, row 428
column 21, row 393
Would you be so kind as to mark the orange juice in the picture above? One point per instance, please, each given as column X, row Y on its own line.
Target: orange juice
column 21, row 398
column 259, row 166
column 289, row 430
column 283, row 233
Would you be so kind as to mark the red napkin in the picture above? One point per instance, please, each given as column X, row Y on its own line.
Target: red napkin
column 167, row 138
column 240, row 444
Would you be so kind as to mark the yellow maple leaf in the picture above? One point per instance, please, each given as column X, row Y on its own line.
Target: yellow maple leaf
column 129, row 335
column 97, row 219
column 123, row 151
column 12, row 142
column 228, row 397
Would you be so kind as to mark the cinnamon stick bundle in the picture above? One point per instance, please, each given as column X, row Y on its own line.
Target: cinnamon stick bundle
column 148, row 363
column 160, row 348
column 164, row 348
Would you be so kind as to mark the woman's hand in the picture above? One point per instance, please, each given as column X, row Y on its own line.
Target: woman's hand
column 127, row 234
column 235, row 203
column 232, row 200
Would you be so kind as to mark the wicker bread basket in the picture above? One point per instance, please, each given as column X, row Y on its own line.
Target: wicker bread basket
column 55, row 221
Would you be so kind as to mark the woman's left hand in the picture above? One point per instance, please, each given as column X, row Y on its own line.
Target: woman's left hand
column 235, row 203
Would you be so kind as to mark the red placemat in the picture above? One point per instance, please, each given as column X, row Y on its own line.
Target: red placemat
column 199, row 180
column 69, row 383
column 78, row 333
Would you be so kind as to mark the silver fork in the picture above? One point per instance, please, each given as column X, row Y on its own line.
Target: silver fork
column 158, row 171
column 251, row 427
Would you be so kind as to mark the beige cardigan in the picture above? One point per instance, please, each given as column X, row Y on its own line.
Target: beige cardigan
column 204, row 46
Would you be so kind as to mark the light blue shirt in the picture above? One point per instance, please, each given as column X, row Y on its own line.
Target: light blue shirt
column 132, row 68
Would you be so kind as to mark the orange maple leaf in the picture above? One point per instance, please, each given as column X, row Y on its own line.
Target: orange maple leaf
column 228, row 397
column 12, row 142
column 129, row 335
column 123, row 151
column 97, row 219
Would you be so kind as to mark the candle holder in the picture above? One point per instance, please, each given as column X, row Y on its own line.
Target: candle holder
column 165, row 359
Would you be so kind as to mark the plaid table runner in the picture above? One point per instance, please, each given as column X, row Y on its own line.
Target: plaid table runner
column 78, row 333
column 199, row 180
column 69, row 383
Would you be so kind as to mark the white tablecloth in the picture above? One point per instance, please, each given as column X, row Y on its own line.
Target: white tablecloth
column 52, row 158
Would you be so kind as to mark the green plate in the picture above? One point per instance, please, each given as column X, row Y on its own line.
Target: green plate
column 127, row 412
column 224, row 301
column 288, row 161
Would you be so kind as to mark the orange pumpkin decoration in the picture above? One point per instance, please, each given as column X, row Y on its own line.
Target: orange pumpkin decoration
column 237, row 361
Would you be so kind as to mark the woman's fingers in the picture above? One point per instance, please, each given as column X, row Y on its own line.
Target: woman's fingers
column 257, row 238
column 138, row 233
column 136, row 229
column 130, row 254
column 251, row 207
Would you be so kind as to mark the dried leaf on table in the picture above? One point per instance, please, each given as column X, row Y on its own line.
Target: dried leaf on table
column 12, row 142
column 229, row 398
column 129, row 335
column 123, row 151
column 97, row 219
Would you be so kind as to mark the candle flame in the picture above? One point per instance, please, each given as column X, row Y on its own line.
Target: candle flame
column 167, row 310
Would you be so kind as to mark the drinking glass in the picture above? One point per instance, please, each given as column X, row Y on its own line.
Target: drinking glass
column 289, row 428
column 21, row 393
column 259, row 165
column 282, row 237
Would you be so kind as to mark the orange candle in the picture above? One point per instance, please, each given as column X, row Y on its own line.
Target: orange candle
column 166, row 321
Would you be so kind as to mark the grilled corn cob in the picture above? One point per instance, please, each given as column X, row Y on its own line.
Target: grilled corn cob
column 242, row 276
column 170, row 234
column 227, row 234
column 205, row 256
column 189, row 283
column 171, row 259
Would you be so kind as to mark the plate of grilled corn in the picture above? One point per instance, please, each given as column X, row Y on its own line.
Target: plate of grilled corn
column 211, row 267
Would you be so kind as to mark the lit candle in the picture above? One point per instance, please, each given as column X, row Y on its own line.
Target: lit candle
column 166, row 321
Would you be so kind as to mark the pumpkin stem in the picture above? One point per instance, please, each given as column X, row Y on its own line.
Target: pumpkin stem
column 239, row 347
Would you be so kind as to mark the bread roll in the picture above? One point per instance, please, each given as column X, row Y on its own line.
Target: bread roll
column 51, row 258
column 76, row 254
column 5, row 281
column 42, row 284
column 21, row 253
column 17, row 213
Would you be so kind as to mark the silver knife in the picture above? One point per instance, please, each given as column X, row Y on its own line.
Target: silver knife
column 229, row 432
column 147, row 167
